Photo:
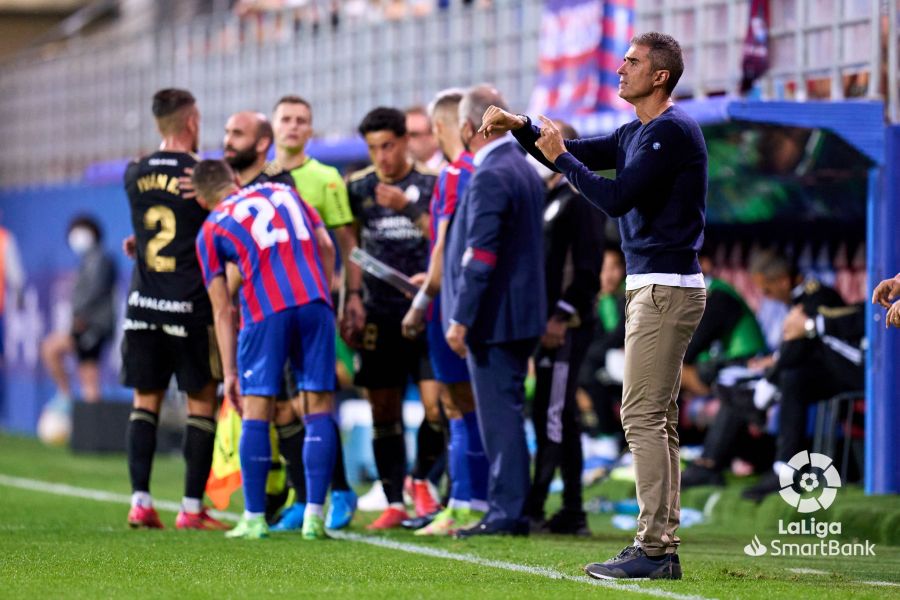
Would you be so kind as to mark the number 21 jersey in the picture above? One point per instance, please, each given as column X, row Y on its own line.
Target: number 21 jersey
column 166, row 283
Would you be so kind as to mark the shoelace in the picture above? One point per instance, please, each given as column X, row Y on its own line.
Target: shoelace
column 626, row 552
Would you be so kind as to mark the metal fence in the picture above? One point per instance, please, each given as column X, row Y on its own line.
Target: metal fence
column 63, row 108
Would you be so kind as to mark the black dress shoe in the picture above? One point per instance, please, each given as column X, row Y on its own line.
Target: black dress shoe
column 696, row 475
column 568, row 522
column 768, row 484
column 498, row 527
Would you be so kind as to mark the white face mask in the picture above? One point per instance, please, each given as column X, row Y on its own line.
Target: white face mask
column 539, row 168
column 81, row 239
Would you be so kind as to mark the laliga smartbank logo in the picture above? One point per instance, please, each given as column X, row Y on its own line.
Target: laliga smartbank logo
column 809, row 482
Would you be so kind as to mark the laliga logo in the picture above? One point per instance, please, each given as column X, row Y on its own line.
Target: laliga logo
column 815, row 471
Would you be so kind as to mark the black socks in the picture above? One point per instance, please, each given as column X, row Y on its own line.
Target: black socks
column 199, row 441
column 390, row 459
column 141, row 447
column 290, row 445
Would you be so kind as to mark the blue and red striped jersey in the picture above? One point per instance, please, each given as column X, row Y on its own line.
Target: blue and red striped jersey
column 267, row 231
column 448, row 189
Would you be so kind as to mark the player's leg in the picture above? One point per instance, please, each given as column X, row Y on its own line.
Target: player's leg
column 255, row 455
column 87, row 346
column 431, row 443
column 141, row 446
column 54, row 349
column 146, row 367
column 448, row 520
column 389, row 448
column 319, row 450
column 546, row 411
column 291, row 432
column 197, row 371
column 261, row 353
column 384, row 374
column 89, row 377
column 313, row 358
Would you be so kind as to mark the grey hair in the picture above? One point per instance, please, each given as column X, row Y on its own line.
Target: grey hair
column 476, row 101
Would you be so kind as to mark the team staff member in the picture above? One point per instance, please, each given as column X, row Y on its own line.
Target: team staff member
column 322, row 187
column 659, row 196
column 573, row 251
column 168, row 320
column 495, row 307
column 285, row 259
column 390, row 203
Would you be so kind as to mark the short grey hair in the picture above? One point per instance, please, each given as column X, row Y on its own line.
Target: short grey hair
column 476, row 101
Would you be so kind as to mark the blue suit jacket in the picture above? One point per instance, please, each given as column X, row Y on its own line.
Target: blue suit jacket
column 493, row 280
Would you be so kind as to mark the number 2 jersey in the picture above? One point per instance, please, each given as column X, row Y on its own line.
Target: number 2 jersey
column 268, row 232
column 166, row 283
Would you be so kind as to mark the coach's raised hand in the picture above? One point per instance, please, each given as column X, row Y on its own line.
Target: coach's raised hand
column 497, row 120
column 551, row 142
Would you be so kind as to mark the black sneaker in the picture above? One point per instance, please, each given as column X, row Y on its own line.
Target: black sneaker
column 633, row 563
column 767, row 484
column 676, row 566
column 567, row 522
column 696, row 475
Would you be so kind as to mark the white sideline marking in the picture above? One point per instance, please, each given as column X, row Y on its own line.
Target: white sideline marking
column 881, row 583
column 499, row 564
column 61, row 489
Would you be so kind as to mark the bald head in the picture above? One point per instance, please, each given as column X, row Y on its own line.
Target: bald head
column 476, row 101
column 248, row 137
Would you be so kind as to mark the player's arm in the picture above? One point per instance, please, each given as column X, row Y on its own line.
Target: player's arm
column 326, row 252
column 346, row 241
column 392, row 197
column 223, row 318
column 234, row 279
column 415, row 316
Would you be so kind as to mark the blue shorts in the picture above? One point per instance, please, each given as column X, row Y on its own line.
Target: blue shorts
column 302, row 335
column 448, row 367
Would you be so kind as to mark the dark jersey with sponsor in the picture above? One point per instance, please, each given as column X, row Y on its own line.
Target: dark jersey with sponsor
column 271, row 174
column 390, row 236
column 166, row 284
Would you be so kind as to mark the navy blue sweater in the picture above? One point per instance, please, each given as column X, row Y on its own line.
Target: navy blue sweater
column 659, row 191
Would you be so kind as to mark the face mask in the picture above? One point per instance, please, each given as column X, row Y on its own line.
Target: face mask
column 81, row 240
column 539, row 168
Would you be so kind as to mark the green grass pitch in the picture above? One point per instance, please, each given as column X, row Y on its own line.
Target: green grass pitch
column 56, row 546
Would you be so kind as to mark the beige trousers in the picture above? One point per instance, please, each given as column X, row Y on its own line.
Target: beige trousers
column 659, row 323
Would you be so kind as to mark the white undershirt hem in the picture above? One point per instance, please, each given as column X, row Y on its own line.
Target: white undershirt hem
column 694, row 280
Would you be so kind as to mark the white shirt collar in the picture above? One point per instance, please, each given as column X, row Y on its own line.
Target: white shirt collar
column 490, row 147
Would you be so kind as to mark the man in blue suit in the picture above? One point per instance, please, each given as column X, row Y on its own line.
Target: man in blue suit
column 493, row 286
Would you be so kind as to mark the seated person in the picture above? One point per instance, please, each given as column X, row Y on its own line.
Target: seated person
column 822, row 355
column 728, row 436
column 93, row 315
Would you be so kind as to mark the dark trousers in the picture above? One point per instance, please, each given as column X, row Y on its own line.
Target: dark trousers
column 805, row 382
column 498, row 380
column 555, row 416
